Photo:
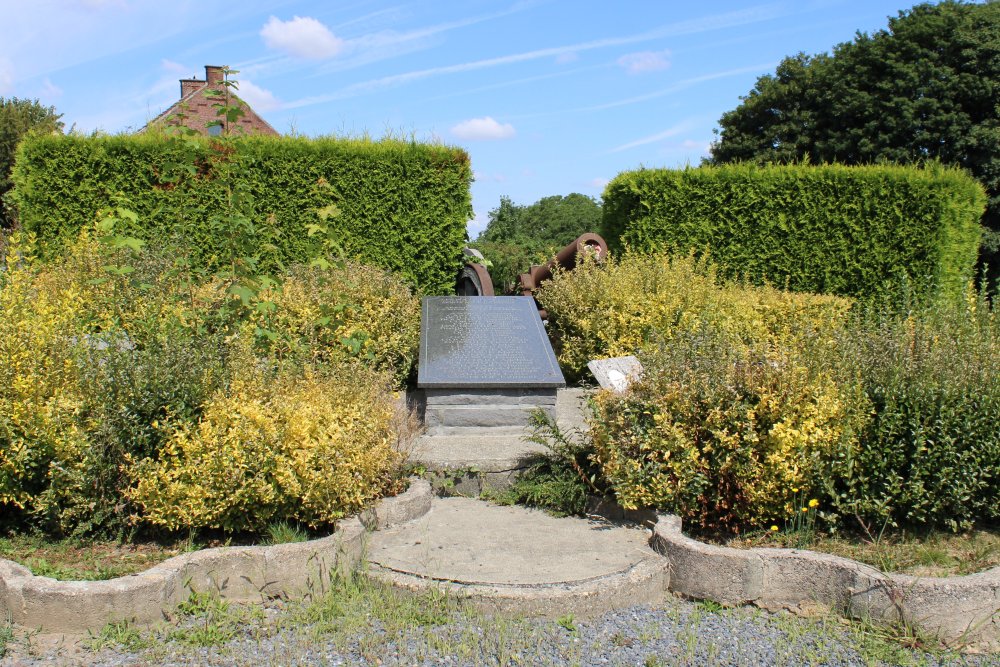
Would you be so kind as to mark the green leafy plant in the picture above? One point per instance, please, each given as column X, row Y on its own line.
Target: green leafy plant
column 323, row 196
column 567, row 623
column 6, row 635
column 212, row 620
column 560, row 481
column 120, row 634
column 283, row 532
column 853, row 231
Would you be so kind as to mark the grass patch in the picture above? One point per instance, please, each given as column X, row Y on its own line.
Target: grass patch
column 121, row 634
column 90, row 560
column 354, row 620
column 283, row 532
column 6, row 636
column 926, row 554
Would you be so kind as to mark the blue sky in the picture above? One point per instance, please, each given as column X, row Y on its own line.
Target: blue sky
column 548, row 96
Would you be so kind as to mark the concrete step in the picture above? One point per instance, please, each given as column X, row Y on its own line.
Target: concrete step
column 519, row 559
column 466, row 459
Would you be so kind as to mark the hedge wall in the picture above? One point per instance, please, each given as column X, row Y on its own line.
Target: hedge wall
column 400, row 205
column 852, row 231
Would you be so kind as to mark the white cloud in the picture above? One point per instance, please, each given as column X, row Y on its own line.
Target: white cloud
column 50, row 90
column 714, row 22
column 645, row 61
column 598, row 182
column 477, row 224
column 302, row 36
column 483, row 129
column 680, row 128
column 485, row 177
column 260, row 99
column 6, row 75
column 693, row 145
column 175, row 68
column 568, row 57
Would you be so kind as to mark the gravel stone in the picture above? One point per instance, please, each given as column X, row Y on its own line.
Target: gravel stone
column 677, row 632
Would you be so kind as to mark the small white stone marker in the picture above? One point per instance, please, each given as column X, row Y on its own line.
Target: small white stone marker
column 616, row 373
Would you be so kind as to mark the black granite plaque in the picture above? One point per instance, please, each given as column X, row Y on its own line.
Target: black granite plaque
column 485, row 342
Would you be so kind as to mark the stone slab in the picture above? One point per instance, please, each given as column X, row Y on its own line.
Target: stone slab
column 616, row 373
column 469, row 541
column 537, row 397
column 475, row 451
column 484, row 343
column 479, row 416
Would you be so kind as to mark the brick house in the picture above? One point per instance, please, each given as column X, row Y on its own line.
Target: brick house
column 198, row 107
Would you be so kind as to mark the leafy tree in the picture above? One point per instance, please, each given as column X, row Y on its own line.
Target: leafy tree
column 518, row 236
column 552, row 220
column 17, row 118
column 927, row 87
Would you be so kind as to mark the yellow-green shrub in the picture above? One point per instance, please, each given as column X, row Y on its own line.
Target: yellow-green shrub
column 724, row 434
column 344, row 310
column 742, row 399
column 621, row 306
column 103, row 346
column 39, row 397
column 311, row 446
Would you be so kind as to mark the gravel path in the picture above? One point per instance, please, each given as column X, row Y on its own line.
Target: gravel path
column 676, row 633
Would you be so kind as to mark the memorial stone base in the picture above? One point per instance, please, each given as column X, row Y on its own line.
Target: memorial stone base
column 450, row 409
column 486, row 364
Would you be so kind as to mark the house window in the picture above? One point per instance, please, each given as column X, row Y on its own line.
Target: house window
column 215, row 130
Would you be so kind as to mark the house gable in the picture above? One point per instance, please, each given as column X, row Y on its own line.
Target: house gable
column 199, row 104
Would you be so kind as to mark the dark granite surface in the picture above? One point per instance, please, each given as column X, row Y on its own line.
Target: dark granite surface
column 486, row 343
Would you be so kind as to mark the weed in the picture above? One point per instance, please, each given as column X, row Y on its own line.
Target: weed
column 559, row 480
column 711, row 606
column 213, row 621
column 121, row 634
column 283, row 532
column 73, row 559
column 6, row 635
column 619, row 639
column 566, row 623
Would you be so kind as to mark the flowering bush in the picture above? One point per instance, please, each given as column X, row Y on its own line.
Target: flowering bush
column 311, row 446
column 341, row 311
column 111, row 353
column 622, row 306
column 721, row 433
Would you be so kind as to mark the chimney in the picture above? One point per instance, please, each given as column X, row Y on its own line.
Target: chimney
column 188, row 86
column 214, row 75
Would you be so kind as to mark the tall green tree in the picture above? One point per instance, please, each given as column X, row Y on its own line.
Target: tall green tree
column 555, row 220
column 925, row 88
column 518, row 236
column 17, row 118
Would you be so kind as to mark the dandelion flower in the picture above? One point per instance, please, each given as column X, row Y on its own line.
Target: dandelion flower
column 813, row 503
column 774, row 529
column 805, row 509
column 795, row 490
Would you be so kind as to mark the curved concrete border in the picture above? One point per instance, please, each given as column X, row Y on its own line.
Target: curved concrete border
column 958, row 610
column 641, row 583
column 237, row 573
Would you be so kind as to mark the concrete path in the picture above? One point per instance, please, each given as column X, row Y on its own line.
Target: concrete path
column 513, row 558
column 521, row 559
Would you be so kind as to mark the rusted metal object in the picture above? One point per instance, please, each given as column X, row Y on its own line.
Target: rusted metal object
column 567, row 258
column 473, row 279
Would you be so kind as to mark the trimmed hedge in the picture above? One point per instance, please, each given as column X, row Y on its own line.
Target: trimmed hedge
column 396, row 204
column 852, row 231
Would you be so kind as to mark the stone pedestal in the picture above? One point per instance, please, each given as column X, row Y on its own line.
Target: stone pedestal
column 485, row 363
column 485, row 408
